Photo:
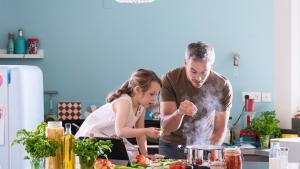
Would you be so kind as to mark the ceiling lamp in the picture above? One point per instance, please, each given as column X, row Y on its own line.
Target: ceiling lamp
column 135, row 1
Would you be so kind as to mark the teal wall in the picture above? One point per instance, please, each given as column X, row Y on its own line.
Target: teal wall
column 92, row 46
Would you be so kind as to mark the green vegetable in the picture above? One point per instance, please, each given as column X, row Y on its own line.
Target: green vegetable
column 89, row 149
column 36, row 143
column 266, row 124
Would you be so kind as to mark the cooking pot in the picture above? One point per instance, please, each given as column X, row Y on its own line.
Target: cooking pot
column 203, row 154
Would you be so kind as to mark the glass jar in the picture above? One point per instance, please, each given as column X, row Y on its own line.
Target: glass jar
column 55, row 131
column 37, row 163
column 233, row 158
column 32, row 45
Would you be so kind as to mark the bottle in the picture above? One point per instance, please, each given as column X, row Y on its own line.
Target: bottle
column 55, row 131
column 232, row 136
column 20, row 43
column 10, row 43
column 274, row 155
column 231, row 130
column 284, row 157
column 69, row 148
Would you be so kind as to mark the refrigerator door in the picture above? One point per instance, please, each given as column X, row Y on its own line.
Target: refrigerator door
column 4, row 147
column 25, row 102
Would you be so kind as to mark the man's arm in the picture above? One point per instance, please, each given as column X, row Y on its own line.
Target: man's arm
column 221, row 121
column 222, row 116
column 170, row 119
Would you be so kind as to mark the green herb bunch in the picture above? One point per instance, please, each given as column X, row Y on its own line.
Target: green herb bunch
column 265, row 124
column 35, row 142
column 89, row 148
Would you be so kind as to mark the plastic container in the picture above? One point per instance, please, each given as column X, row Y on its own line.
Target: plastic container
column 55, row 131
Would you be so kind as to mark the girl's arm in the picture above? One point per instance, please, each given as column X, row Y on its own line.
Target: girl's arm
column 122, row 109
column 141, row 140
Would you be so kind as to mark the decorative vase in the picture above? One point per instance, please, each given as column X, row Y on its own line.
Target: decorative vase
column 264, row 141
column 86, row 164
column 37, row 163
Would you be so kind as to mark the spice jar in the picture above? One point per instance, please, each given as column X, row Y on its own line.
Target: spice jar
column 55, row 131
column 32, row 45
column 233, row 158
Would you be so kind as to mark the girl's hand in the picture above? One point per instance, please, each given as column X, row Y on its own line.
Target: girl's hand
column 152, row 132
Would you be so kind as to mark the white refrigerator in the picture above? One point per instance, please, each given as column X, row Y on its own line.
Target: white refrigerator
column 21, row 106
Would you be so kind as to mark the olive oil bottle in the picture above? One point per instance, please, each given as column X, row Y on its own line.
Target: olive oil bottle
column 69, row 148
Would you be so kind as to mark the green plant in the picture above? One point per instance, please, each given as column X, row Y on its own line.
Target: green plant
column 89, row 149
column 35, row 142
column 265, row 124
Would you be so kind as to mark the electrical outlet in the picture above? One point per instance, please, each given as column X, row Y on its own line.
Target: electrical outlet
column 252, row 95
column 266, row 97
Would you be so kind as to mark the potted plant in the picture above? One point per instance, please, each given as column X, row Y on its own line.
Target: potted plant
column 36, row 145
column 264, row 126
column 89, row 149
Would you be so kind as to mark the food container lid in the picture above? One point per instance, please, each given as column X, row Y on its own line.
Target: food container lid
column 32, row 39
column 232, row 150
column 54, row 124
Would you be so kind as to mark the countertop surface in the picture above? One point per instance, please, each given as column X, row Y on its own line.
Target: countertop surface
column 256, row 151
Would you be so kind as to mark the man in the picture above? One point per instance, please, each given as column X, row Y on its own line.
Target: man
column 195, row 103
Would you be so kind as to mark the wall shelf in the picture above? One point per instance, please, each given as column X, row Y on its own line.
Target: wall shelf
column 4, row 55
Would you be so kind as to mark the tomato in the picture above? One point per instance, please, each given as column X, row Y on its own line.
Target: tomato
column 140, row 156
column 199, row 161
column 177, row 165
column 174, row 166
column 141, row 159
column 102, row 163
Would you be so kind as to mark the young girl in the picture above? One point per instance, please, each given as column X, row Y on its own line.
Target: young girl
column 124, row 110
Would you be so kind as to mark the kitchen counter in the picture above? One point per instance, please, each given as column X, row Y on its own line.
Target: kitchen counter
column 255, row 155
column 255, row 165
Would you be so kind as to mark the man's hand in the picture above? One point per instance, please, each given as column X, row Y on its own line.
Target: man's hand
column 187, row 108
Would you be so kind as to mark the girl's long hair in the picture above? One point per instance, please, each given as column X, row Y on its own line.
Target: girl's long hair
column 141, row 78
